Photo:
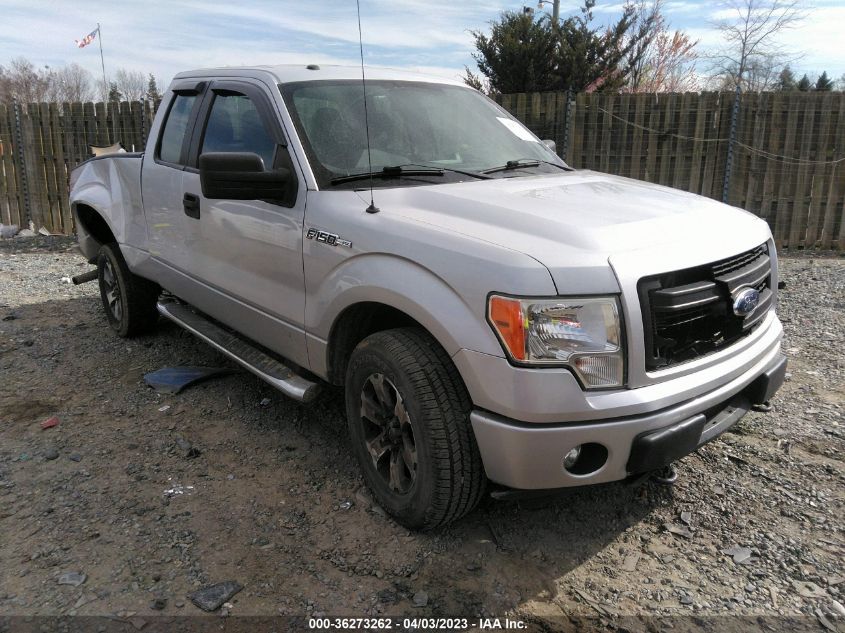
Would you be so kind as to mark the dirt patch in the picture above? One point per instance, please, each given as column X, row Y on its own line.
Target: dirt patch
column 21, row 410
column 152, row 496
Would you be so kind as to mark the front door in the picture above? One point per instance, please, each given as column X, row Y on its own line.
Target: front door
column 246, row 254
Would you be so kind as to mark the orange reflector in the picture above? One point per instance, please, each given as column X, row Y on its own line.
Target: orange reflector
column 506, row 317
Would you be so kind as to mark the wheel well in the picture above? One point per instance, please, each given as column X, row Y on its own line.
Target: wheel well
column 355, row 324
column 94, row 224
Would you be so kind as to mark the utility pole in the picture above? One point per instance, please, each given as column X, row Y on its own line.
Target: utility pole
column 555, row 9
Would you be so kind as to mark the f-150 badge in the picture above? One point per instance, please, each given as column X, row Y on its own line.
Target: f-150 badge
column 328, row 238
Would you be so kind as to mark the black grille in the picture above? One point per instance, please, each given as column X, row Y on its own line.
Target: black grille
column 689, row 313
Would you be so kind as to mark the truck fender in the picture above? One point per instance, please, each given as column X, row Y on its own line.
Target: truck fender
column 110, row 187
column 405, row 286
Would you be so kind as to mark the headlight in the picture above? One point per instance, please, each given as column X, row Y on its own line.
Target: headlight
column 584, row 333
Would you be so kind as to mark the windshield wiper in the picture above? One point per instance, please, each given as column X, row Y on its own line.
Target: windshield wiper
column 465, row 172
column 519, row 163
column 394, row 171
column 408, row 169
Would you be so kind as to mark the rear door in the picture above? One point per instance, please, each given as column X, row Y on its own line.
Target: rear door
column 246, row 254
column 162, row 177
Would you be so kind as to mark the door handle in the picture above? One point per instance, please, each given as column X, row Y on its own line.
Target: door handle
column 191, row 204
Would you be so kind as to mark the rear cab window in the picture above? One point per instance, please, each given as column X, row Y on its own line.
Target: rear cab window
column 172, row 142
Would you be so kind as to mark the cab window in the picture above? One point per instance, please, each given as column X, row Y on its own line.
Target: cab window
column 175, row 128
column 234, row 125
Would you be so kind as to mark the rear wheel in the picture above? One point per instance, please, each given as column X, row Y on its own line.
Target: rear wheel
column 408, row 414
column 129, row 301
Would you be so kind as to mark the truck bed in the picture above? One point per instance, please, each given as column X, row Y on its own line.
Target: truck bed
column 112, row 185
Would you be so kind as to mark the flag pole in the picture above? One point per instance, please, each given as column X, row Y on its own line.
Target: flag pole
column 103, row 64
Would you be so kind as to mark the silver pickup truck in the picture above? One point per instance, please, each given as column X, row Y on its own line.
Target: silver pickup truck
column 493, row 314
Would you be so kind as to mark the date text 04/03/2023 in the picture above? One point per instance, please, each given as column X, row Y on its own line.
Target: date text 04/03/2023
column 418, row 624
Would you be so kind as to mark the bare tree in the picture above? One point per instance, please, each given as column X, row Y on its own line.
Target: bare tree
column 763, row 73
column 23, row 82
column 131, row 84
column 648, row 15
column 674, row 63
column 750, row 30
column 667, row 62
column 71, row 83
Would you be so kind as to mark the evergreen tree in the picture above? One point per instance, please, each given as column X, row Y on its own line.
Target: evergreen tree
column 525, row 53
column 518, row 55
column 473, row 81
column 114, row 92
column 824, row 83
column 786, row 81
column 591, row 57
column 804, row 84
column 152, row 89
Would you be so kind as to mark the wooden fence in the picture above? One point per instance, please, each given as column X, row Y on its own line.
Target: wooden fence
column 40, row 144
column 787, row 164
column 788, row 149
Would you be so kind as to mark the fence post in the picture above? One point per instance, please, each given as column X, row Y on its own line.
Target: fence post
column 731, row 140
column 566, row 114
column 21, row 166
column 143, row 124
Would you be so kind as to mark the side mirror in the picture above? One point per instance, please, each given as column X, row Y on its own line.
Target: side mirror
column 241, row 176
column 550, row 144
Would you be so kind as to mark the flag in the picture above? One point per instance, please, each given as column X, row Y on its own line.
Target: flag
column 85, row 41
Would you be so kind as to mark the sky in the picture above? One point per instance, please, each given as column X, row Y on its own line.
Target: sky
column 164, row 37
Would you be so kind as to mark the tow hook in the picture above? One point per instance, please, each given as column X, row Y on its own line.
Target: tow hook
column 762, row 407
column 665, row 476
column 85, row 277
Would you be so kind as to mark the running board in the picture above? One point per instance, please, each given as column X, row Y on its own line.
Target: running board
column 245, row 354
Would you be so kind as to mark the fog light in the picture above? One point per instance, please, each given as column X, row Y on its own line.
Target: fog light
column 585, row 459
column 572, row 457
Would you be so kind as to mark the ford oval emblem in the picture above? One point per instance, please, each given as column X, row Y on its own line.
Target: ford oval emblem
column 746, row 301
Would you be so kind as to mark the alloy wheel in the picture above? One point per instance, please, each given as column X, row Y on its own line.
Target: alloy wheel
column 111, row 291
column 388, row 433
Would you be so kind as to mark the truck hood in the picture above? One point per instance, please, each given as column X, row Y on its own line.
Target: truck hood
column 577, row 223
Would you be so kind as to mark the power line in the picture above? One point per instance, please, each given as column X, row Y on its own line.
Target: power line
column 663, row 132
column 791, row 160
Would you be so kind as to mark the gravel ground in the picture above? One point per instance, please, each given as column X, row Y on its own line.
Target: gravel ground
column 153, row 496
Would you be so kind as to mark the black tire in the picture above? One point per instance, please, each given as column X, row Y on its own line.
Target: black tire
column 129, row 301
column 446, row 479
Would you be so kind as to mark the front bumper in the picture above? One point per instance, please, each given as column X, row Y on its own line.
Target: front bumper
column 530, row 456
column 551, row 395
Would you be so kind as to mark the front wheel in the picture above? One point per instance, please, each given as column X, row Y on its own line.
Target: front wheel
column 408, row 414
column 128, row 300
